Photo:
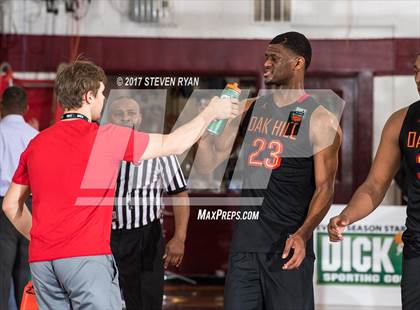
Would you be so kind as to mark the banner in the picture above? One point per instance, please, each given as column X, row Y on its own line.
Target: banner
column 365, row 267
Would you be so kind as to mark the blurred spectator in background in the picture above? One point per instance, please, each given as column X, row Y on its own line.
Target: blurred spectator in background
column 15, row 135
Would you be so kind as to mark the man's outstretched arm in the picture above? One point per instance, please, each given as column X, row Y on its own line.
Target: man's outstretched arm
column 185, row 136
column 370, row 194
column 213, row 150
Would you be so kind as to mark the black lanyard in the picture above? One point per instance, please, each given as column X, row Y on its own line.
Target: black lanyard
column 75, row 115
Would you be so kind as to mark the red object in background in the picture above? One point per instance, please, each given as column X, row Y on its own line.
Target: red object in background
column 58, row 112
column 29, row 298
column 6, row 80
column 40, row 96
column 40, row 99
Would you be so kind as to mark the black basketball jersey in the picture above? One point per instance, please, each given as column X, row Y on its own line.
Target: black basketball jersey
column 277, row 156
column 409, row 141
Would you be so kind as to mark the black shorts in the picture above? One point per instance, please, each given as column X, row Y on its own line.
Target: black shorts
column 256, row 281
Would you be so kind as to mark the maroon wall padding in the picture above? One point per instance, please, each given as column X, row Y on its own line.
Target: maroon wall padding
column 143, row 55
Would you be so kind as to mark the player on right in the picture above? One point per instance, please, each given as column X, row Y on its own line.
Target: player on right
column 400, row 143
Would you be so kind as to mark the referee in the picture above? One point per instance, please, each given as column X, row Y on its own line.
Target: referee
column 136, row 238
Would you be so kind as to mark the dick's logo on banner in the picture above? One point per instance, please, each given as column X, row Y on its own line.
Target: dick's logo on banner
column 360, row 258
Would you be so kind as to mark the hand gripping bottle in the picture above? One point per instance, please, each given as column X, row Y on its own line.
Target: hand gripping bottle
column 231, row 91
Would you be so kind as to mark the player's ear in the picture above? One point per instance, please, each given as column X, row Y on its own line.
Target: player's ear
column 300, row 63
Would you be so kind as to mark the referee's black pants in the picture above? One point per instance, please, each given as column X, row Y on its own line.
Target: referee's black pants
column 13, row 260
column 256, row 281
column 138, row 253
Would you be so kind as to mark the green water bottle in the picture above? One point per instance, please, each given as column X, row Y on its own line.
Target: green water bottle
column 231, row 91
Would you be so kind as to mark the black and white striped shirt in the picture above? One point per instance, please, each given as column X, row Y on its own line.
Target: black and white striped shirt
column 138, row 194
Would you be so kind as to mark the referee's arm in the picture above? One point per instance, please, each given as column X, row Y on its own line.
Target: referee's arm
column 176, row 187
column 174, row 251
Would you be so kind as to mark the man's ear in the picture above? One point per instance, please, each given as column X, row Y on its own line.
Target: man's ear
column 89, row 97
column 300, row 63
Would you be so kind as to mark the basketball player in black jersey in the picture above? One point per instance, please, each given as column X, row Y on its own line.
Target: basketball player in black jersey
column 271, row 259
column 400, row 142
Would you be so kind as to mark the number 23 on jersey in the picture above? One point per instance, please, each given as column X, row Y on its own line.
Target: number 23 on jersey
column 274, row 147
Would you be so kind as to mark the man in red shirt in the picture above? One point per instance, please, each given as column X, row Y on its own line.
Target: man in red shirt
column 71, row 170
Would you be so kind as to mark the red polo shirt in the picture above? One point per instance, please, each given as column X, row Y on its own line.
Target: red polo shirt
column 71, row 169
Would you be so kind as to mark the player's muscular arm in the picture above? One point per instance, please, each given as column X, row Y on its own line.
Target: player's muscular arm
column 326, row 138
column 213, row 150
column 185, row 136
column 370, row 194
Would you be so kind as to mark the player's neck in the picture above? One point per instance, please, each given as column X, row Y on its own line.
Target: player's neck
column 284, row 97
column 289, row 92
column 296, row 82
